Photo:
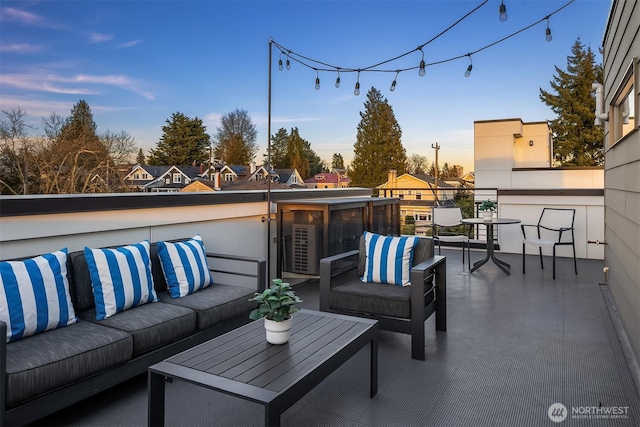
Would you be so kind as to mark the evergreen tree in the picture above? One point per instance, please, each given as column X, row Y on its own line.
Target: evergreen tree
column 279, row 149
column 141, row 160
column 236, row 139
column 337, row 161
column 378, row 146
column 315, row 162
column 296, row 158
column 577, row 140
column 184, row 142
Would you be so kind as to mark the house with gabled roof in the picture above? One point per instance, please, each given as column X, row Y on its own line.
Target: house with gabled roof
column 327, row 180
column 161, row 178
column 418, row 196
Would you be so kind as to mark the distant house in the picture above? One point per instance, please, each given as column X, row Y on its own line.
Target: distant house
column 418, row 196
column 327, row 180
column 230, row 173
column 204, row 185
column 161, row 178
column 289, row 177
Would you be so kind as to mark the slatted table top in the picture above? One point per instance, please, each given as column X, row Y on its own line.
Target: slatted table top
column 244, row 364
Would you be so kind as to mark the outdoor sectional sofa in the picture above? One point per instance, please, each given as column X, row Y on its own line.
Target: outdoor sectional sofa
column 48, row 371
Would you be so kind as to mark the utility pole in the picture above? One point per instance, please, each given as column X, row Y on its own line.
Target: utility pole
column 437, row 170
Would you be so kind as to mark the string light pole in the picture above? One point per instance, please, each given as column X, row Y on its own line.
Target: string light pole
column 436, row 171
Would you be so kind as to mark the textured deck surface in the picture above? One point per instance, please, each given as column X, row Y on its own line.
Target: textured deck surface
column 514, row 346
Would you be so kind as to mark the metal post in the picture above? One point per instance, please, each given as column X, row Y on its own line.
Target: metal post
column 269, row 168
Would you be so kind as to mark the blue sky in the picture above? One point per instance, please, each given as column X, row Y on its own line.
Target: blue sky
column 137, row 62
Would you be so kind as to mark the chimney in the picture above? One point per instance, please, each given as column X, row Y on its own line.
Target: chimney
column 216, row 181
column 253, row 167
column 201, row 168
column 392, row 181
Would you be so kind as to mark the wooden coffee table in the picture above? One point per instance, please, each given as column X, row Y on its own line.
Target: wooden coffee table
column 243, row 364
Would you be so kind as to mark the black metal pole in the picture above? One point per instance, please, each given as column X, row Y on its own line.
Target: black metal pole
column 269, row 170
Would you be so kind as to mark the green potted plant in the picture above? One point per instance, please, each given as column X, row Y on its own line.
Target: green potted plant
column 276, row 304
column 488, row 207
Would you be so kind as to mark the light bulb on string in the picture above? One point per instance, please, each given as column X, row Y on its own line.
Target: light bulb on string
column 288, row 62
column 503, row 12
column 422, row 71
column 338, row 79
column 280, row 62
column 317, row 81
column 393, row 84
column 469, row 68
column 356, row 91
column 548, row 36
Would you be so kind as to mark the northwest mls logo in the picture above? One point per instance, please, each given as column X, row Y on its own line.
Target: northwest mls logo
column 557, row 412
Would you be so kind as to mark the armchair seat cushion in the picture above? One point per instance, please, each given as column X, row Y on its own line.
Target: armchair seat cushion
column 374, row 298
column 55, row 358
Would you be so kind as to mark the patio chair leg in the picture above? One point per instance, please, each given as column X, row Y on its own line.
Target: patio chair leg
column 541, row 264
column 523, row 249
column 468, row 254
column 575, row 263
column 554, row 262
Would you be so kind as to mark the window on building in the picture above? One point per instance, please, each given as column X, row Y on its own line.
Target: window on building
column 167, row 180
column 145, row 176
column 624, row 106
column 228, row 177
column 418, row 195
column 177, row 178
column 136, row 176
column 408, row 192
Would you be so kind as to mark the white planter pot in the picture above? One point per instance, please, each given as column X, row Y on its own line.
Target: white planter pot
column 487, row 215
column 278, row 332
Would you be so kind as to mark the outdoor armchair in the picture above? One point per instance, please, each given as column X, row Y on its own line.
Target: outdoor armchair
column 554, row 228
column 397, row 308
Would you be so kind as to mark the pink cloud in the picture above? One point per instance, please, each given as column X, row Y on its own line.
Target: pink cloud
column 27, row 18
column 20, row 48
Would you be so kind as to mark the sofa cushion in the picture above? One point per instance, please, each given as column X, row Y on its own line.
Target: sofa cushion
column 184, row 265
column 34, row 295
column 121, row 278
column 150, row 325
column 215, row 303
column 388, row 259
column 374, row 298
column 58, row 357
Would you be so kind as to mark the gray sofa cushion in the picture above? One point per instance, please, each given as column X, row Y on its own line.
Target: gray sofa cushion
column 55, row 358
column 374, row 298
column 151, row 325
column 215, row 303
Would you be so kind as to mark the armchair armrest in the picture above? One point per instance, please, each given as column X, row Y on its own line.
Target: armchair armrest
column 522, row 227
column 331, row 267
column 240, row 267
column 436, row 266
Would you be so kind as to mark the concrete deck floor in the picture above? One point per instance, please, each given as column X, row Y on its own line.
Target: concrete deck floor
column 515, row 345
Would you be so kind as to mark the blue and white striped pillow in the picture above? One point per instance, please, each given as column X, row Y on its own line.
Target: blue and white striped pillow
column 388, row 259
column 121, row 278
column 185, row 267
column 34, row 295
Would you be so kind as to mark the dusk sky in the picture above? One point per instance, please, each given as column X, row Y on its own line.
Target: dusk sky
column 137, row 62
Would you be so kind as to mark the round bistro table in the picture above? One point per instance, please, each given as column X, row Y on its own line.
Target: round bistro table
column 490, row 248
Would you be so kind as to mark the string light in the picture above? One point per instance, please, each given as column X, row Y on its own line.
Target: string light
column 470, row 67
column 280, row 62
column 393, row 83
column 422, row 70
column 503, row 12
column 305, row 61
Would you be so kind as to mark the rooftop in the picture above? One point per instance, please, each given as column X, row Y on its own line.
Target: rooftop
column 515, row 344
